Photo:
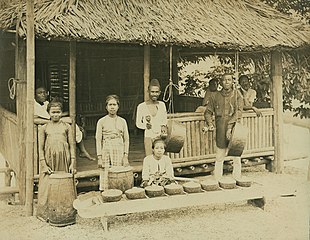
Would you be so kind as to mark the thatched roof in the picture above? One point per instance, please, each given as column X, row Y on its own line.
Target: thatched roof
column 236, row 24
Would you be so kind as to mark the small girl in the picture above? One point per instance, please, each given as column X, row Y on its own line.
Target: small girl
column 112, row 140
column 56, row 153
column 157, row 168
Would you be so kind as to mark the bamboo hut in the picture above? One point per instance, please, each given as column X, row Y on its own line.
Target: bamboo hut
column 85, row 50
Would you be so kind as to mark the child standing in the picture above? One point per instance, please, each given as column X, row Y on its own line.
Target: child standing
column 112, row 140
column 151, row 116
column 157, row 167
column 56, row 153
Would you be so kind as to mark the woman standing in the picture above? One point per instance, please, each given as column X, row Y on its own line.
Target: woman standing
column 112, row 140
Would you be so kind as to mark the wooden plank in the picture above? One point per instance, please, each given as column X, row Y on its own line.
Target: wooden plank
column 35, row 151
column 171, row 202
column 9, row 190
column 193, row 137
column 276, row 71
column 30, row 105
column 20, row 73
column 188, row 139
column 198, row 134
column 146, row 71
column 202, row 139
column 72, row 88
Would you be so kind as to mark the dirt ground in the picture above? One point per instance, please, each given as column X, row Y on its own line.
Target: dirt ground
column 284, row 217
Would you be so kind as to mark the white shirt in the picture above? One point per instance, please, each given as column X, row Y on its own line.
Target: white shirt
column 156, row 121
column 41, row 110
column 152, row 165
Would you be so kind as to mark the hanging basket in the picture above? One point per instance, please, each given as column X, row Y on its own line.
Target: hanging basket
column 175, row 137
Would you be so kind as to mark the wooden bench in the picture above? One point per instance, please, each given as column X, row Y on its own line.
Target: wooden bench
column 253, row 195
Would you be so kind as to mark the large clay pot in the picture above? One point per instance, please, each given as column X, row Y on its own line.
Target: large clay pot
column 61, row 194
column 120, row 178
column 238, row 140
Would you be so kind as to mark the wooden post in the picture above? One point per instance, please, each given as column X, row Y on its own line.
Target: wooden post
column 20, row 74
column 146, row 70
column 72, row 86
column 30, row 106
column 276, row 71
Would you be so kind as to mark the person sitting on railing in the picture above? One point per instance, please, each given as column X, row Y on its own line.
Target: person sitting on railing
column 249, row 95
column 212, row 87
column 151, row 116
column 41, row 116
column 157, row 167
column 227, row 106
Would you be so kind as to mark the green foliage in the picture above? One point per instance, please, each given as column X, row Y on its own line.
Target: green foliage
column 296, row 83
column 301, row 8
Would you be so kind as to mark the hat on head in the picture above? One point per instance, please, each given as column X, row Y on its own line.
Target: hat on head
column 154, row 82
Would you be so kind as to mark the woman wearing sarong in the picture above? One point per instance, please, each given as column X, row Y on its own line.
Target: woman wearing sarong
column 112, row 140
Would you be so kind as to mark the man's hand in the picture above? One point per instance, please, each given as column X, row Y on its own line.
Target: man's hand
column 100, row 163
column 148, row 125
column 258, row 112
column 229, row 133
column 208, row 128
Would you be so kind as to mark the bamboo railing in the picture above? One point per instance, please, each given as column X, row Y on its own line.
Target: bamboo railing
column 9, row 147
column 199, row 146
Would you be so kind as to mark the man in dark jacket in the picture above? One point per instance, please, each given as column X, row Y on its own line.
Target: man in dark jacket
column 226, row 106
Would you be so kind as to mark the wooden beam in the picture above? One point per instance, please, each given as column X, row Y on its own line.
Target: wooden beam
column 169, row 202
column 21, row 75
column 72, row 87
column 8, row 190
column 146, row 71
column 276, row 71
column 30, row 105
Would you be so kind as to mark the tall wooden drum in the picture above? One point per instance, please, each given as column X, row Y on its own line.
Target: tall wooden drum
column 120, row 177
column 61, row 194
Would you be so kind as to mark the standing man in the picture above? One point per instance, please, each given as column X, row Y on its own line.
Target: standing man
column 151, row 116
column 226, row 106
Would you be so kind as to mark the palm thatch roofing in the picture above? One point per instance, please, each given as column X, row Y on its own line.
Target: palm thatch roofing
column 231, row 24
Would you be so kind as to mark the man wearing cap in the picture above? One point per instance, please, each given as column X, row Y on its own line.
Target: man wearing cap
column 151, row 116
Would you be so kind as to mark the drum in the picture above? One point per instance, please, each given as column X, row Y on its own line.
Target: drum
column 61, row 194
column 238, row 140
column 176, row 136
column 120, row 178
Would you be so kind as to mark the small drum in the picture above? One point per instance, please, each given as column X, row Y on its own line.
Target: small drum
column 61, row 194
column 238, row 140
column 120, row 177
column 175, row 137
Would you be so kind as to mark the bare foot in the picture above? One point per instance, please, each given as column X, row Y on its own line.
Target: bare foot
column 86, row 155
